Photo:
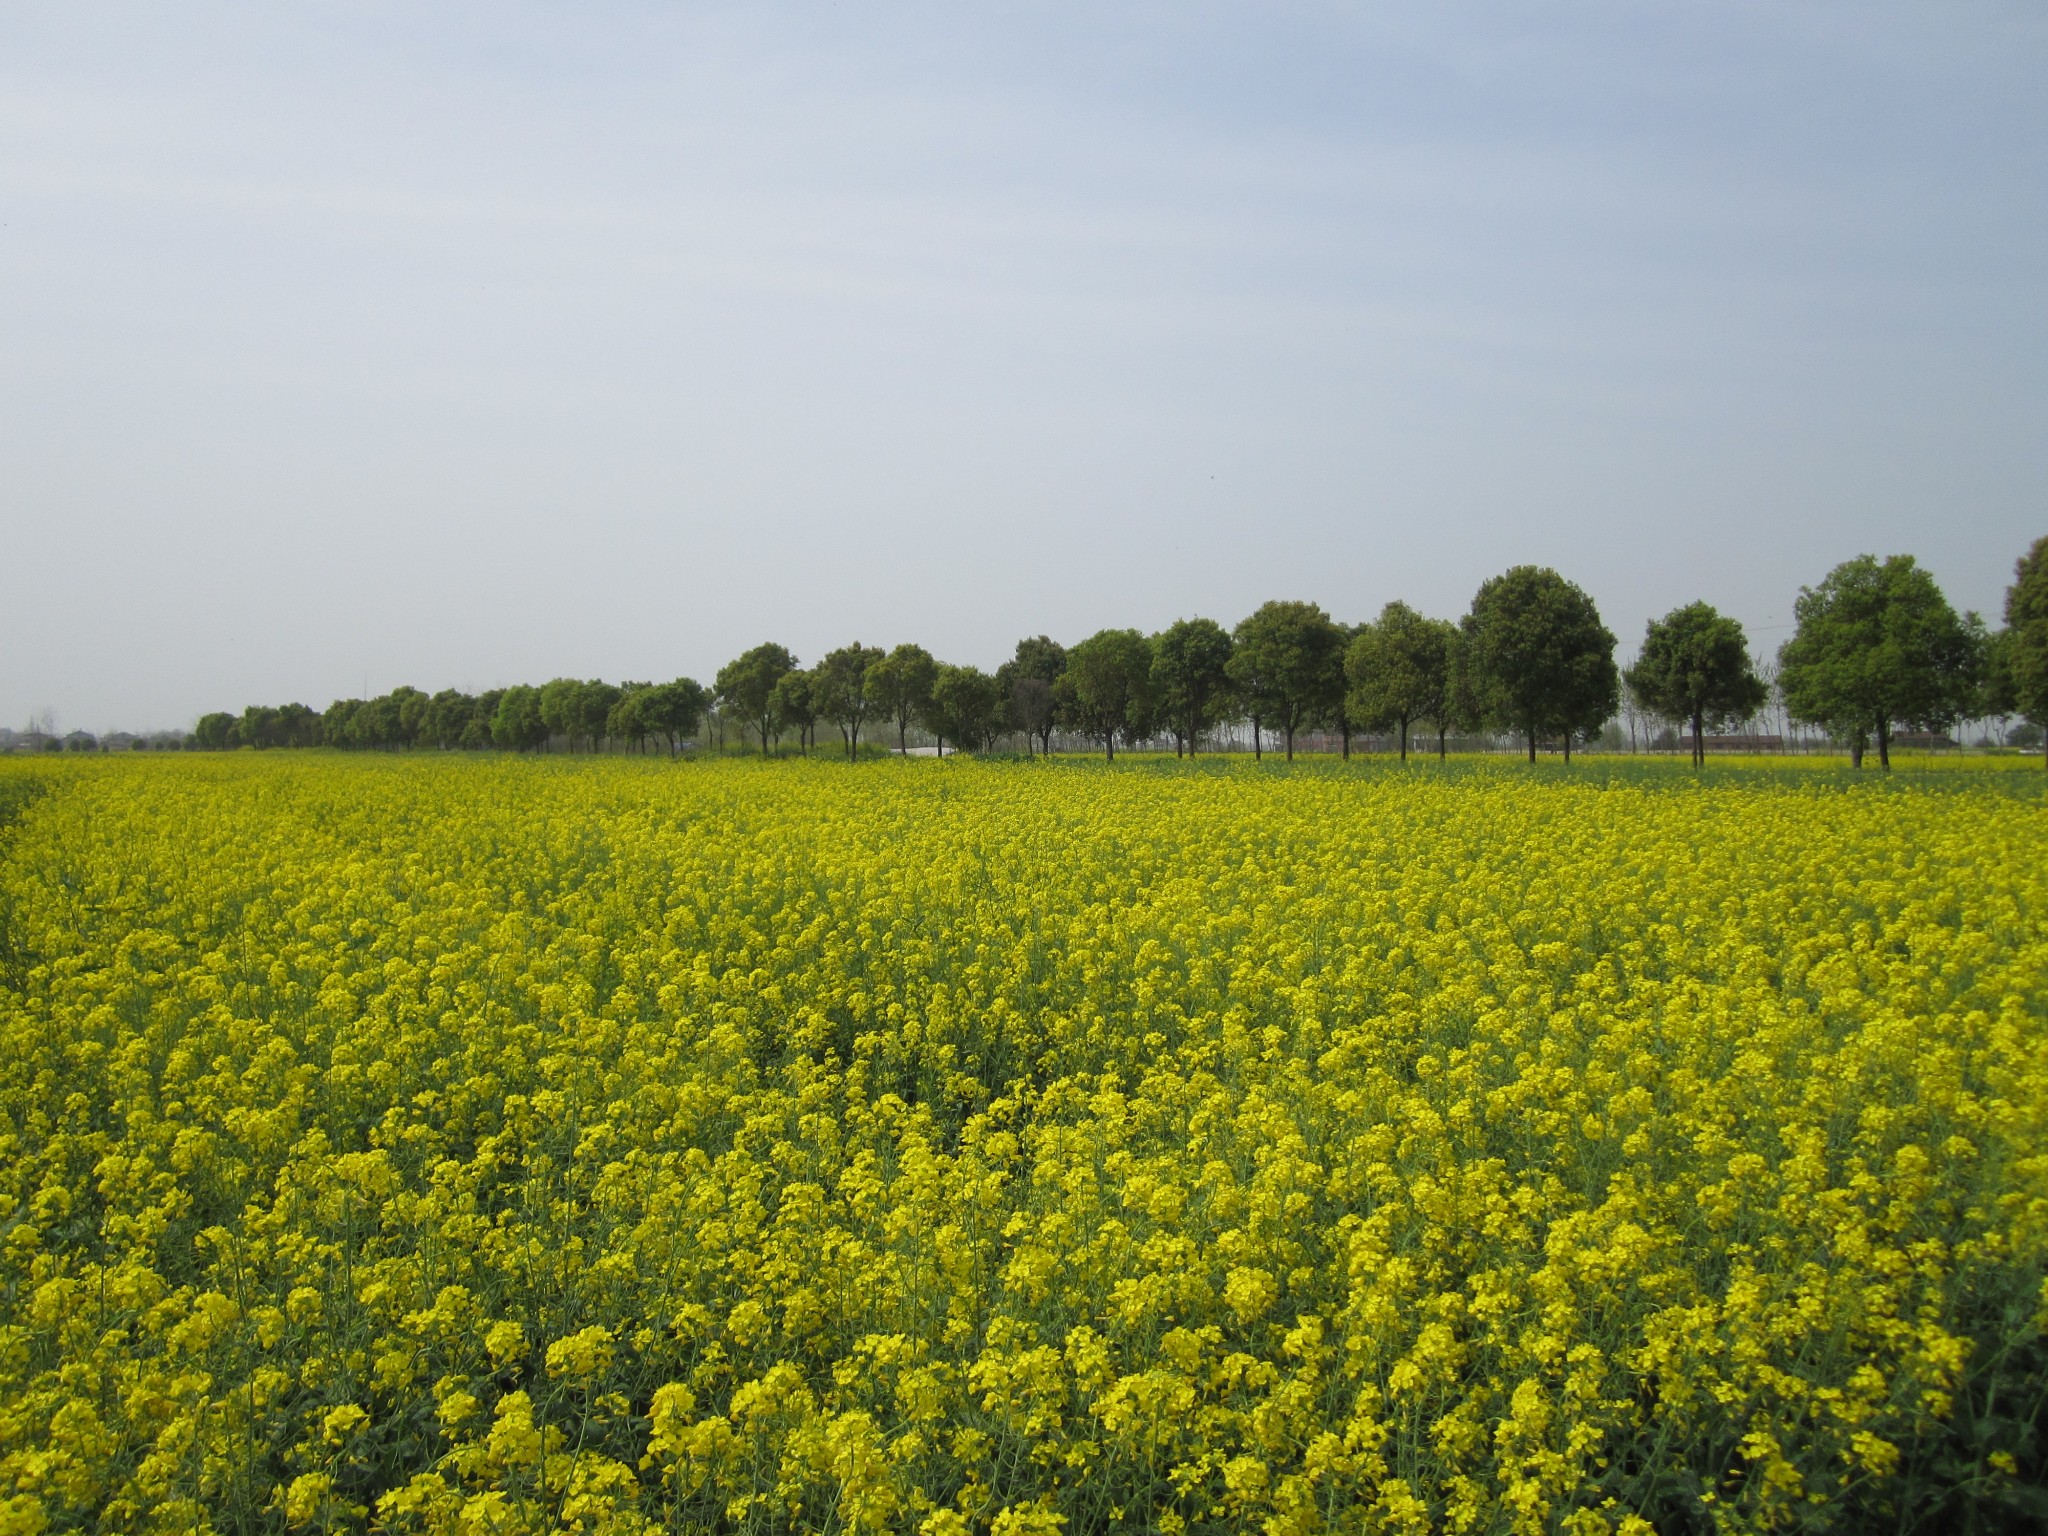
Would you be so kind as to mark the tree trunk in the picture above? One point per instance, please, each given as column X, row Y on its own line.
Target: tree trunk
column 1404, row 738
column 1109, row 744
column 1290, row 743
column 1346, row 730
column 1567, row 749
column 1442, row 751
column 1699, row 741
column 1258, row 752
column 1884, row 745
column 1532, row 744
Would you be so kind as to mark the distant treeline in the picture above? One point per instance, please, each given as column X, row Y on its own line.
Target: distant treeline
column 1877, row 650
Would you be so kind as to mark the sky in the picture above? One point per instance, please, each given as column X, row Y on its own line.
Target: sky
column 348, row 346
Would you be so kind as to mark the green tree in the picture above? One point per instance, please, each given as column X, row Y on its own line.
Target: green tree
column 561, row 707
column 1542, row 663
column 215, row 732
column 1106, row 690
column 628, row 721
column 380, row 722
column 476, row 731
column 337, row 723
column 409, row 710
column 1398, row 669
column 296, row 725
column 841, row 691
column 1695, row 671
column 518, row 725
column 966, row 708
column 795, row 704
column 258, row 727
column 673, row 710
column 2023, row 644
column 746, row 686
column 447, row 717
column 1191, row 678
column 1026, row 683
column 594, row 703
column 1287, row 661
column 1877, row 646
column 899, row 685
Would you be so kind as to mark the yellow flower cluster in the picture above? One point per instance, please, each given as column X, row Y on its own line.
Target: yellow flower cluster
column 501, row 1145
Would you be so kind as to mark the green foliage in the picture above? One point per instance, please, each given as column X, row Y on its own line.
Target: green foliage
column 673, row 710
column 2024, row 648
column 1106, row 691
column 899, row 685
column 518, row 725
column 1540, row 661
column 1287, row 661
column 795, row 705
column 1191, row 677
column 215, row 732
column 1026, row 683
column 746, row 685
column 839, row 690
column 1877, row 647
column 1400, row 670
column 966, row 707
column 1695, row 670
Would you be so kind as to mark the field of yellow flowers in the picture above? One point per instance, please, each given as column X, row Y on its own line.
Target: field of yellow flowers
column 506, row 1145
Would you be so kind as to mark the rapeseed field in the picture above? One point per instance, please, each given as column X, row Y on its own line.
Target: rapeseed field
column 489, row 1146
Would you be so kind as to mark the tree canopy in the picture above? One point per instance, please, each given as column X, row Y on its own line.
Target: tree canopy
column 1106, row 690
column 1288, row 662
column 1877, row 649
column 966, row 708
column 1541, row 662
column 746, row 686
column 1399, row 670
column 899, row 685
column 1191, row 678
column 1877, row 646
column 1026, row 683
column 1695, row 670
column 840, row 690
column 2024, row 645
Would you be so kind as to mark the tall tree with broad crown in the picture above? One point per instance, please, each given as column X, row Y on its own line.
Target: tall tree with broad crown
column 1877, row 647
column 519, row 726
column 1190, row 678
column 672, row 710
column 1287, row 660
column 966, row 708
column 746, row 686
column 1541, row 662
column 1106, row 690
column 1399, row 671
column 795, row 702
column 561, row 706
column 840, row 690
column 2023, row 645
column 1695, row 670
column 1026, row 683
column 899, row 685
column 594, row 701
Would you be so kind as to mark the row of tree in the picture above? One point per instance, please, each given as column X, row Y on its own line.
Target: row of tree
column 1877, row 648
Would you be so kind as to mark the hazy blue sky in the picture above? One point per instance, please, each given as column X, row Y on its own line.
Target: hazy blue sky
column 350, row 346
